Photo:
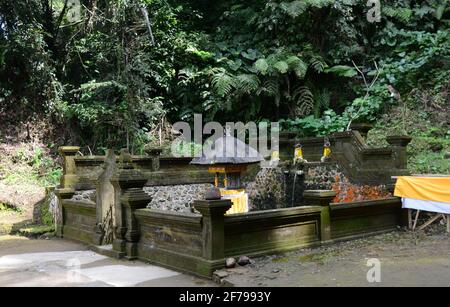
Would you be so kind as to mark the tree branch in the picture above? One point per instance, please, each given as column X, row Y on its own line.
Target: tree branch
column 61, row 17
column 368, row 88
column 148, row 23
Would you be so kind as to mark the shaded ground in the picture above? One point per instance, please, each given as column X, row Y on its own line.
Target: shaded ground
column 407, row 259
column 11, row 221
column 18, row 205
column 55, row 262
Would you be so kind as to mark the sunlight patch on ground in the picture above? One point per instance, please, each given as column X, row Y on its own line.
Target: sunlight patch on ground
column 21, row 261
column 125, row 276
column 67, row 268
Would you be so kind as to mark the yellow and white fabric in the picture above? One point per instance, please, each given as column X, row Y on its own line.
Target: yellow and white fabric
column 239, row 199
column 430, row 194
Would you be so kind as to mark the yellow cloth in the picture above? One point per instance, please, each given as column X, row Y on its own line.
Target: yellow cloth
column 424, row 188
column 298, row 153
column 239, row 199
column 275, row 155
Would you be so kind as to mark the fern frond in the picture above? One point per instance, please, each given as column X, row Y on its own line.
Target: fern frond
column 304, row 101
column 317, row 63
column 270, row 87
column 247, row 83
column 399, row 13
column 322, row 100
column 223, row 83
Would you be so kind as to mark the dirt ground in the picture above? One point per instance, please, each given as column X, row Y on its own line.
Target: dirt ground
column 23, row 200
column 22, row 196
column 406, row 258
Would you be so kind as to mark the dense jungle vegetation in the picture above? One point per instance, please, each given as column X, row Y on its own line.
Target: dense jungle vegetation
column 126, row 70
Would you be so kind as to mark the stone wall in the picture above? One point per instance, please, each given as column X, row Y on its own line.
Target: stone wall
column 178, row 198
column 283, row 187
column 267, row 190
column 331, row 176
column 86, row 195
column 361, row 164
column 199, row 243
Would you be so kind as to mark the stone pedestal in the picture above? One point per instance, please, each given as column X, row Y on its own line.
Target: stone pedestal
column 128, row 185
column 399, row 145
column 213, row 212
column 362, row 128
column 154, row 153
column 321, row 198
column 318, row 197
column 62, row 194
column 132, row 200
column 69, row 179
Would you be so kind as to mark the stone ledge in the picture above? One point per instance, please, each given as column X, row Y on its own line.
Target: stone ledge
column 399, row 140
column 364, row 203
column 153, row 216
column 274, row 213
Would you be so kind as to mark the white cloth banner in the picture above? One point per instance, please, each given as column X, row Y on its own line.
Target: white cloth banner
column 426, row 205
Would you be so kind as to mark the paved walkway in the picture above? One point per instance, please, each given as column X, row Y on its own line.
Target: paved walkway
column 56, row 262
column 406, row 259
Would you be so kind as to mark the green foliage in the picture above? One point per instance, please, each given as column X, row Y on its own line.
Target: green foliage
column 342, row 70
column 46, row 216
column 428, row 127
column 29, row 164
column 8, row 208
column 429, row 163
column 182, row 149
column 223, row 83
column 35, row 230
column 329, row 123
column 108, row 82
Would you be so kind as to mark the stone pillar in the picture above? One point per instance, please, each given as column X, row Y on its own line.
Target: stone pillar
column 133, row 199
column 129, row 196
column 362, row 128
column 154, row 153
column 322, row 198
column 69, row 177
column 62, row 194
column 398, row 145
column 105, row 195
column 213, row 212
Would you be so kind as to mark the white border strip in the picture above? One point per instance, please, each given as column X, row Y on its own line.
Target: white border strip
column 426, row 205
